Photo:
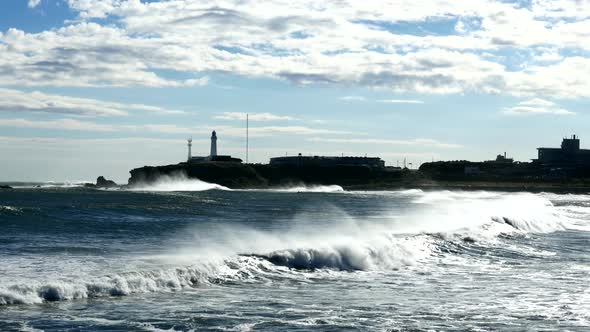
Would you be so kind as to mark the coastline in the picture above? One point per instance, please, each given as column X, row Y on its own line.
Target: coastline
column 264, row 176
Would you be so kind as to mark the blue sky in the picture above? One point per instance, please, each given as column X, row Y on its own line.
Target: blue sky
column 92, row 88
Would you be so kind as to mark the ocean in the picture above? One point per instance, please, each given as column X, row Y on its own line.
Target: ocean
column 184, row 255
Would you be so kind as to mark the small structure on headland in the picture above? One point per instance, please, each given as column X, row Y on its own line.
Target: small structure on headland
column 569, row 155
column 502, row 159
column 301, row 160
column 213, row 156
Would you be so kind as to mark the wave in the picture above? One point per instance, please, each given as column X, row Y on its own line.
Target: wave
column 439, row 226
column 179, row 182
column 117, row 285
column 311, row 189
column 233, row 269
column 48, row 184
column 387, row 252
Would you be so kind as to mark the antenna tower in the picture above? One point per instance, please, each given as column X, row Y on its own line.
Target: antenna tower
column 247, row 137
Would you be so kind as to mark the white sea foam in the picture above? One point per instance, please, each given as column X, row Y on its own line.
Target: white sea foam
column 9, row 209
column 179, row 182
column 311, row 188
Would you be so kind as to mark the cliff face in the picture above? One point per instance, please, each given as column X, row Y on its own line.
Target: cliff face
column 236, row 175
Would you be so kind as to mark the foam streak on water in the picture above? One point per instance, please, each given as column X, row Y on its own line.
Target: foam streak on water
column 192, row 258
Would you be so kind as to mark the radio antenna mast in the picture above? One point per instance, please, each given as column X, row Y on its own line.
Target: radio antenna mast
column 247, row 137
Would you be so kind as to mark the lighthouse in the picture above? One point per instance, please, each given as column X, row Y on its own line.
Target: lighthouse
column 213, row 156
column 213, row 144
column 190, row 144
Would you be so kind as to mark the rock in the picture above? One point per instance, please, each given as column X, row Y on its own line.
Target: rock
column 101, row 182
column 5, row 187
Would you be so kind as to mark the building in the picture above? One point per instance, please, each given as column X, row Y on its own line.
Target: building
column 299, row 160
column 569, row 155
column 501, row 159
column 213, row 156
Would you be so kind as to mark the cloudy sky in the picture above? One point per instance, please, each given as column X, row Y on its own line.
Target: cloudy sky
column 97, row 87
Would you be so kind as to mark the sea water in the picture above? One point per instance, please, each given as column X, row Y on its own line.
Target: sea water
column 185, row 255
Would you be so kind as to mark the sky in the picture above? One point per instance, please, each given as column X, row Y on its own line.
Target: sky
column 98, row 87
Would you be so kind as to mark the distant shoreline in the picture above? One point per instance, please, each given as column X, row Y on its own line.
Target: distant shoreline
column 264, row 176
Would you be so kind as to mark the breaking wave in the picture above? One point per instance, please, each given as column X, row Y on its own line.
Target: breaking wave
column 441, row 225
column 178, row 182
column 118, row 285
column 238, row 268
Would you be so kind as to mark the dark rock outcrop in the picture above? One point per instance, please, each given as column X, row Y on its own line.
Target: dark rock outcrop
column 101, row 182
column 5, row 187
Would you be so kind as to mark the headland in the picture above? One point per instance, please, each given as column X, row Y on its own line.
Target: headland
column 564, row 170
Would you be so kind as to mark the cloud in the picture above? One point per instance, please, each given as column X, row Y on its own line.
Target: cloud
column 34, row 3
column 20, row 101
column 536, row 106
column 414, row 142
column 383, row 101
column 241, row 116
column 293, row 130
column 537, row 102
column 205, row 130
column 537, row 110
column 353, row 98
column 78, row 125
column 495, row 47
column 196, row 81
column 62, row 124
column 400, row 101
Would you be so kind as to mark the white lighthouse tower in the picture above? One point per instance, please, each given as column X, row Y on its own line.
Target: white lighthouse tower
column 190, row 144
column 213, row 144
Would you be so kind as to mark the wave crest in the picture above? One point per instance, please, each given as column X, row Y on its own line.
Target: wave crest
column 117, row 285
column 179, row 182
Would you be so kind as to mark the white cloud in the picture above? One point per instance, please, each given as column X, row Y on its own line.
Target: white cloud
column 537, row 102
column 536, row 106
column 383, row 101
column 537, row 110
column 353, row 98
column 400, row 101
column 61, row 124
column 34, row 3
column 228, row 131
column 20, row 101
column 241, row 116
column 346, row 42
column 85, row 142
column 293, row 130
column 414, row 142
column 197, row 81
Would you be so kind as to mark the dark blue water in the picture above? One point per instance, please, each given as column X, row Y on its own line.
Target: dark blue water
column 295, row 260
